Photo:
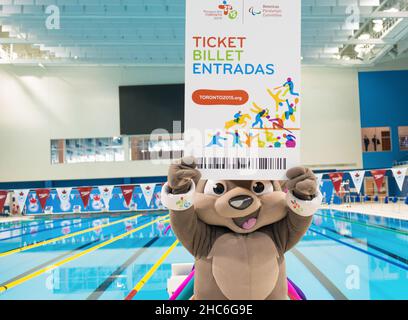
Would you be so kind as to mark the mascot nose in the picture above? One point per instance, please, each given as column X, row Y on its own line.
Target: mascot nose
column 241, row 202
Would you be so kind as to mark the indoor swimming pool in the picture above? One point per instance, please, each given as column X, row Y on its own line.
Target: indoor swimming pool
column 342, row 256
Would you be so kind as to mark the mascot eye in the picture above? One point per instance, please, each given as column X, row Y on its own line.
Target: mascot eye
column 215, row 188
column 262, row 187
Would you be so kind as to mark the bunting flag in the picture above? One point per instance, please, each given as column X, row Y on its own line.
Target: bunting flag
column 319, row 177
column 85, row 193
column 21, row 197
column 378, row 176
column 399, row 175
column 358, row 178
column 43, row 195
column 3, row 197
column 127, row 192
column 64, row 195
column 336, row 178
column 106, row 194
column 148, row 192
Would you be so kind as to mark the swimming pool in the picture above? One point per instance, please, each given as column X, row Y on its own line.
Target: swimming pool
column 342, row 256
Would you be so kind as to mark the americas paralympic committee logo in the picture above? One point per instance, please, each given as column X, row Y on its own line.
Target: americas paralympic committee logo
column 254, row 12
column 228, row 10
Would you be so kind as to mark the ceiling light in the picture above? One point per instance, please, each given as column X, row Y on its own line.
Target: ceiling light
column 364, row 36
column 378, row 25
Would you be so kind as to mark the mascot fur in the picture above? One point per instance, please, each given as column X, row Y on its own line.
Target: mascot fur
column 239, row 231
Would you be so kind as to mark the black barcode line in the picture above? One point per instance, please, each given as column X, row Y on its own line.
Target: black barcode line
column 242, row 163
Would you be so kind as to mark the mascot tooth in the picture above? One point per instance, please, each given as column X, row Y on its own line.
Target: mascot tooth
column 239, row 231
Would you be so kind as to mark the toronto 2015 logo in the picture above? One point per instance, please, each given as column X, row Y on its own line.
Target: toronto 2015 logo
column 228, row 10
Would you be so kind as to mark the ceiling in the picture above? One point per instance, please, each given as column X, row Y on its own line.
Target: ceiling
column 151, row 32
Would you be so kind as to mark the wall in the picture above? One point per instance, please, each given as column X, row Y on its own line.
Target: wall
column 384, row 103
column 37, row 105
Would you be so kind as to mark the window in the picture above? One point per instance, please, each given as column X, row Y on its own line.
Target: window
column 87, row 150
column 376, row 139
column 148, row 148
column 403, row 138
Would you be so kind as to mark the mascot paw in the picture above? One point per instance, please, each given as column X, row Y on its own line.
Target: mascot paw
column 302, row 183
column 181, row 173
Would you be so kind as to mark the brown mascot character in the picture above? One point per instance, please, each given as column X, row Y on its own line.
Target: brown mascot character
column 239, row 231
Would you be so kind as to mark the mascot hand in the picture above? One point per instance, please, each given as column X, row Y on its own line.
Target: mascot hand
column 302, row 183
column 180, row 175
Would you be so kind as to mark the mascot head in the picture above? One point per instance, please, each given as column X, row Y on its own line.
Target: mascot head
column 242, row 206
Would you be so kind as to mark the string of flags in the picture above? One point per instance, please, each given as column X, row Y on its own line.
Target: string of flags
column 65, row 194
column 357, row 177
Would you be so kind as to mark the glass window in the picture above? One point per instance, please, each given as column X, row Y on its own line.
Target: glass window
column 87, row 150
column 147, row 148
column 376, row 139
column 403, row 138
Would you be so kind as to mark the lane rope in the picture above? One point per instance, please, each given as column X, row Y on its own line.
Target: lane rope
column 51, row 267
column 67, row 236
column 152, row 270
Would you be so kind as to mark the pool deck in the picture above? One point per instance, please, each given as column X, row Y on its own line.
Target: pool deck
column 390, row 210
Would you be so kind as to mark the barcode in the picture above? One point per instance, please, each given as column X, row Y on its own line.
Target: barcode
column 242, row 163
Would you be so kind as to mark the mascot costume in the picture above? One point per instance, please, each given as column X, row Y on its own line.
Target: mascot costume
column 238, row 231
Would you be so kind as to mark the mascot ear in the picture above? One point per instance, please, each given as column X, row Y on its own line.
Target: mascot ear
column 278, row 185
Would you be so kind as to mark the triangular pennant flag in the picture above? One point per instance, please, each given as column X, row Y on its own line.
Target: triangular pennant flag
column 3, row 197
column 85, row 193
column 106, row 194
column 53, row 196
column 127, row 192
column 64, row 194
column 336, row 178
column 399, row 175
column 378, row 176
column 358, row 178
column 148, row 192
column 43, row 195
column 21, row 197
column 72, row 196
column 319, row 177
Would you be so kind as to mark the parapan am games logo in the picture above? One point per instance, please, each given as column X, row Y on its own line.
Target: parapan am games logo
column 224, row 9
column 228, row 10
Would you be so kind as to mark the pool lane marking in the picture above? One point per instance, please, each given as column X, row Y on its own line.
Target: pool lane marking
column 4, row 284
column 46, row 221
column 67, row 236
column 334, row 291
column 389, row 229
column 361, row 250
column 19, row 281
column 98, row 292
column 152, row 270
column 372, row 246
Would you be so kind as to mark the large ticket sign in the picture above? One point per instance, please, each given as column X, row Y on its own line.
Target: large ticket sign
column 243, row 87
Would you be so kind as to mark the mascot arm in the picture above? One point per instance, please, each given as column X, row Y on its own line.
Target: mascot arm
column 303, row 199
column 193, row 234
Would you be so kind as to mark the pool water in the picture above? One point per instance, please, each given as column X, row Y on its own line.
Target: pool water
column 342, row 256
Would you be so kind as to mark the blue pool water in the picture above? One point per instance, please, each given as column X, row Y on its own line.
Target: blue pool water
column 342, row 256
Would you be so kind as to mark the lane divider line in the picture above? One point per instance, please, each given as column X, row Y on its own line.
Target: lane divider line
column 51, row 267
column 405, row 267
column 67, row 236
column 152, row 270
column 369, row 225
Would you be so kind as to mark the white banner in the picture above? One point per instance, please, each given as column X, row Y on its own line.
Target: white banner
column 358, row 178
column 319, row 177
column 399, row 175
column 148, row 192
column 21, row 197
column 243, row 87
column 106, row 194
column 64, row 196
